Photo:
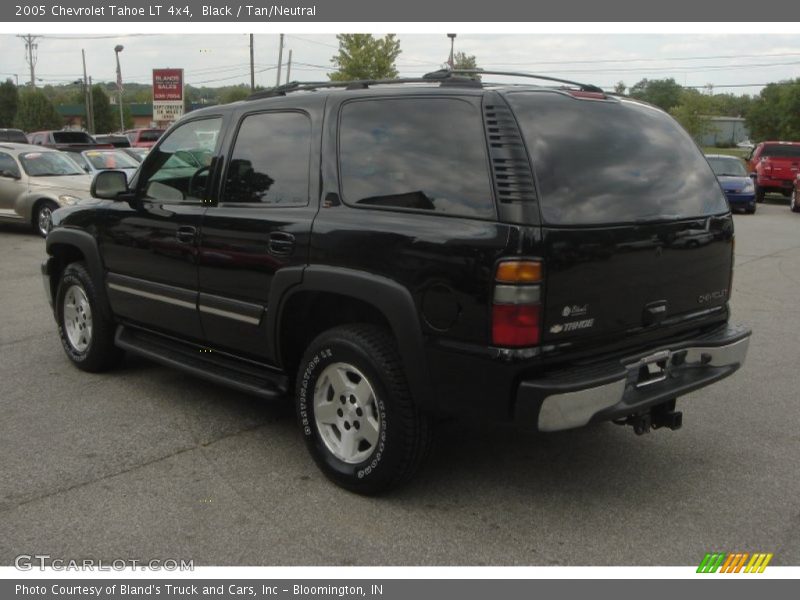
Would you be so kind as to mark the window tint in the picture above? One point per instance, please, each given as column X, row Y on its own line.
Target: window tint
column 414, row 153
column 178, row 170
column 781, row 150
column 72, row 137
column 150, row 135
column 270, row 160
column 8, row 164
column 612, row 162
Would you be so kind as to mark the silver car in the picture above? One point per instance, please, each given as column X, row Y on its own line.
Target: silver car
column 94, row 161
column 35, row 181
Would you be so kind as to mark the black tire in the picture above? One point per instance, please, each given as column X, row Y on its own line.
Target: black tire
column 750, row 211
column 42, row 212
column 100, row 353
column 404, row 434
column 793, row 204
column 759, row 194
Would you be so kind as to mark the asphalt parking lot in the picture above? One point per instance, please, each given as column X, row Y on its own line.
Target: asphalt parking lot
column 146, row 462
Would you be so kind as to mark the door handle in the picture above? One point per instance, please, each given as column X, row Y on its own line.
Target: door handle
column 186, row 234
column 280, row 243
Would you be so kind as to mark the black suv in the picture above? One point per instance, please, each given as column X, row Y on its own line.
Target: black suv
column 388, row 252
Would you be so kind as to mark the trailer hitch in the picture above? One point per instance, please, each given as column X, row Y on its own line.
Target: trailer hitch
column 661, row 415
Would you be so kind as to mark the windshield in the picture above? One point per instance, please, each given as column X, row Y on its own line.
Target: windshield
column 727, row 166
column 615, row 161
column 110, row 159
column 46, row 164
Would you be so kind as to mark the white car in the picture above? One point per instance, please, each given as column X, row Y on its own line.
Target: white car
column 35, row 181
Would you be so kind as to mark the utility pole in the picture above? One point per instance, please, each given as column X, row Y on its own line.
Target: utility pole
column 252, row 67
column 91, row 107
column 451, row 60
column 87, row 97
column 30, row 54
column 280, row 60
column 289, row 67
column 117, row 49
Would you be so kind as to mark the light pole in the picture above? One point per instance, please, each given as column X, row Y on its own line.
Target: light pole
column 452, row 37
column 117, row 49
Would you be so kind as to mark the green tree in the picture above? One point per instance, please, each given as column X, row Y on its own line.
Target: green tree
column 620, row 88
column 462, row 60
column 693, row 113
column 35, row 112
column 9, row 98
column 775, row 113
column 106, row 117
column 362, row 56
column 664, row 93
column 234, row 94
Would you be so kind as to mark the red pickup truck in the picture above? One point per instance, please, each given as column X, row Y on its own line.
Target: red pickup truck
column 776, row 165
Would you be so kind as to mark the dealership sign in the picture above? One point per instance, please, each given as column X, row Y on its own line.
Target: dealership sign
column 167, row 94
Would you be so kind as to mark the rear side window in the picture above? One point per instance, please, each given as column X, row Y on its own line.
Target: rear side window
column 415, row 153
column 602, row 162
column 270, row 160
column 781, row 150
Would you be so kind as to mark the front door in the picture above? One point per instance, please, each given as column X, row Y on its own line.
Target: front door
column 150, row 244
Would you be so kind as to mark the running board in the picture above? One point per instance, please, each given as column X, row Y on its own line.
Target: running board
column 220, row 368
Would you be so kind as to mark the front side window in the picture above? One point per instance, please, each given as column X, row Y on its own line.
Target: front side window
column 8, row 166
column 178, row 170
column 48, row 164
column 415, row 153
column 270, row 160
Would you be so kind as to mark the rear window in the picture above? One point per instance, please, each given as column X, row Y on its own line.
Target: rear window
column 602, row 162
column 780, row 150
column 13, row 135
column 150, row 136
column 417, row 154
column 72, row 137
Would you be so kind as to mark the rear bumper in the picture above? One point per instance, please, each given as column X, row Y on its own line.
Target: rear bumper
column 613, row 389
column 767, row 183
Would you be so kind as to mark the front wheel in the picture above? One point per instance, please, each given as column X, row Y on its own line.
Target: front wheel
column 356, row 412
column 42, row 220
column 87, row 336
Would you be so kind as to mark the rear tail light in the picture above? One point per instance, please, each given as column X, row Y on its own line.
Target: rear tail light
column 517, row 303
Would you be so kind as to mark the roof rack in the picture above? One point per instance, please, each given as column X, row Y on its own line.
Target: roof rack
column 445, row 77
column 584, row 87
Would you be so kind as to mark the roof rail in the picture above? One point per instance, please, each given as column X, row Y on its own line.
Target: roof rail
column 446, row 77
column 584, row 87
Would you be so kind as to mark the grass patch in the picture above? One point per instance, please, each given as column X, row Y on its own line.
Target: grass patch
column 738, row 152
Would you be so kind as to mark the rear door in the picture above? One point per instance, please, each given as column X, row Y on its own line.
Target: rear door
column 260, row 226
column 637, row 232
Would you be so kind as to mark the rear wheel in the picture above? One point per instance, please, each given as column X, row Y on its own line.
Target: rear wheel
column 794, row 203
column 87, row 336
column 354, row 406
column 42, row 220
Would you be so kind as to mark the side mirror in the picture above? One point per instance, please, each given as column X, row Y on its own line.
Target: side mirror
column 109, row 185
column 9, row 174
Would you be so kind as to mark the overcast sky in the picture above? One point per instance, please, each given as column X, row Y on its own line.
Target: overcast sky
column 214, row 60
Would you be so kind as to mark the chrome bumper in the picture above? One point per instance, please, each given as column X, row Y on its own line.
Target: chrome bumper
column 623, row 387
